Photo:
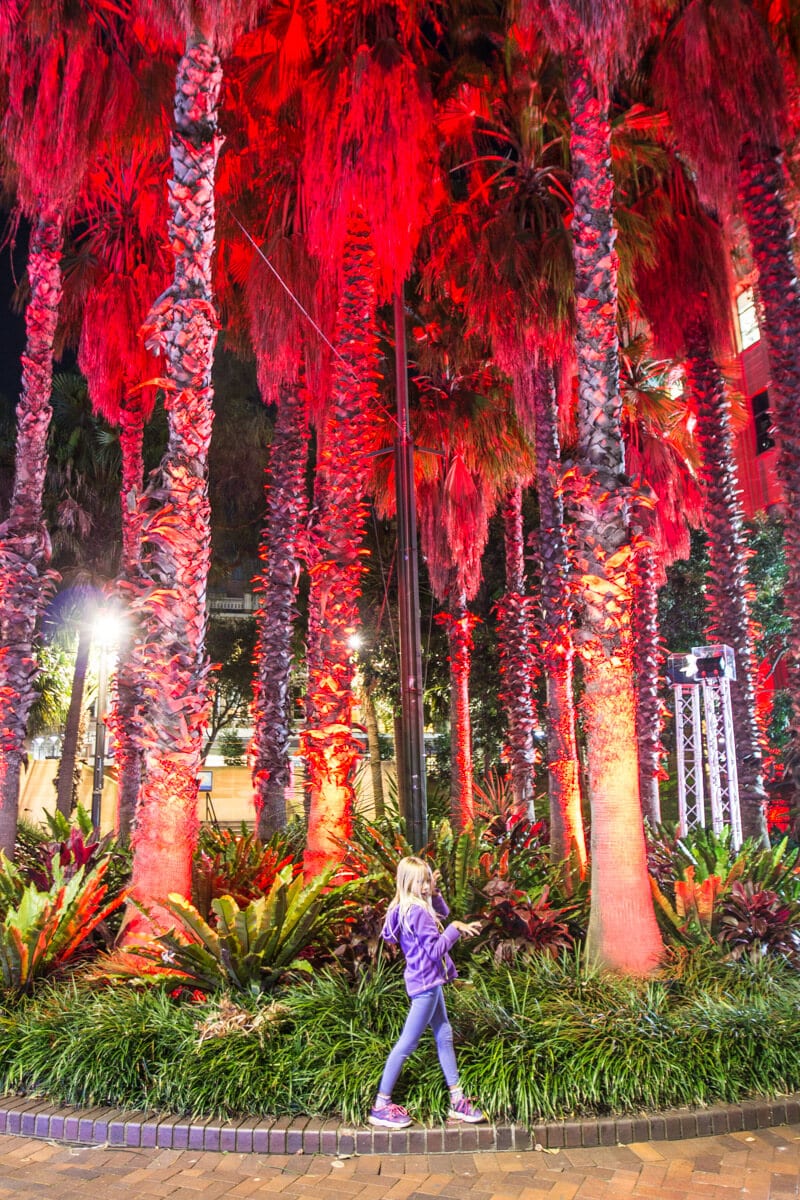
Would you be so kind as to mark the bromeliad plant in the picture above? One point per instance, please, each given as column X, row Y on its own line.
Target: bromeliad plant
column 237, row 865
column 249, row 949
column 45, row 930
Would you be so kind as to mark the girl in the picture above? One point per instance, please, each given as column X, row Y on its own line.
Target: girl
column 413, row 921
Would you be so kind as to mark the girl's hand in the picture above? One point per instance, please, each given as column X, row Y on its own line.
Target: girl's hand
column 468, row 928
column 436, row 881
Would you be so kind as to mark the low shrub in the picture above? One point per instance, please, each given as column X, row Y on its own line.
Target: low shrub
column 549, row 1041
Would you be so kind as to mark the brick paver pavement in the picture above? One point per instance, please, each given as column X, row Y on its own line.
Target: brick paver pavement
column 763, row 1165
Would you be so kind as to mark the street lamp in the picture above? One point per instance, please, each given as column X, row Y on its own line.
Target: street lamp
column 107, row 630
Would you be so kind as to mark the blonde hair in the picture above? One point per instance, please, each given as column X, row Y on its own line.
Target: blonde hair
column 412, row 875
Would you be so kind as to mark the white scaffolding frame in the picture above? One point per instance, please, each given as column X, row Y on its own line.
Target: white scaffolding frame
column 718, row 764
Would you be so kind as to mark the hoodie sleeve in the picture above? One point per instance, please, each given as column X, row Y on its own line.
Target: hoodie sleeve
column 433, row 943
column 389, row 931
column 440, row 904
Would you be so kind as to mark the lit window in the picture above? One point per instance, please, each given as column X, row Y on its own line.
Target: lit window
column 748, row 318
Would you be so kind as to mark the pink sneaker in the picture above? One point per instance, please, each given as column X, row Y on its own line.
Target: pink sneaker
column 465, row 1110
column 389, row 1116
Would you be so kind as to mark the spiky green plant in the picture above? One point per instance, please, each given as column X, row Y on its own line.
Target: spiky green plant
column 250, row 949
column 44, row 930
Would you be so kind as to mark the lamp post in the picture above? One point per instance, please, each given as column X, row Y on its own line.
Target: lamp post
column 411, row 778
column 106, row 632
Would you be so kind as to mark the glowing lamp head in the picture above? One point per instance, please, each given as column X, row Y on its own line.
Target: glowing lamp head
column 108, row 627
column 355, row 641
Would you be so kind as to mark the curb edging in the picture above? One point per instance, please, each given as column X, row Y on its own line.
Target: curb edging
column 30, row 1117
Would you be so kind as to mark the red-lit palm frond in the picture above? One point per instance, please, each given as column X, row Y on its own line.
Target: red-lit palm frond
column 122, row 212
column 121, row 267
column 659, row 448
column 283, row 337
column 371, row 147
column 219, row 22
column 468, row 419
column 609, row 34
column 500, row 243
column 689, row 279
column 718, row 76
column 67, row 85
column 111, row 353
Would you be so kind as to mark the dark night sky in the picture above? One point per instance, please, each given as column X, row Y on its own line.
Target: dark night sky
column 12, row 326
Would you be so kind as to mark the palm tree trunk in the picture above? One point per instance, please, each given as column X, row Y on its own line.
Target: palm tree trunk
column 67, row 778
column 170, row 654
column 727, row 592
column 128, row 696
column 374, row 745
column 567, row 838
column 771, row 230
column 647, row 663
column 286, row 511
column 514, row 640
column 460, row 623
column 24, row 543
column 623, row 933
column 336, row 560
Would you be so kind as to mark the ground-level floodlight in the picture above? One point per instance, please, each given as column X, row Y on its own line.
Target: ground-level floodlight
column 706, row 672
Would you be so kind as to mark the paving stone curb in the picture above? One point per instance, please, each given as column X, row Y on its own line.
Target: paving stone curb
column 30, row 1117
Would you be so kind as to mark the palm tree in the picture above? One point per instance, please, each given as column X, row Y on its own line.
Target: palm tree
column 506, row 249
column 169, row 600
column 82, row 475
column 366, row 178
column 594, row 40
column 41, row 126
column 514, row 635
column 121, row 267
column 691, row 266
column 661, row 453
column 730, row 119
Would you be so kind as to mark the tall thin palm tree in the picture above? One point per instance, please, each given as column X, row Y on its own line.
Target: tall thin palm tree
column 122, row 266
column 506, row 250
column 514, row 637
column 594, row 40
column 691, row 263
column 169, row 600
column 367, row 179
column 42, row 126
column 731, row 121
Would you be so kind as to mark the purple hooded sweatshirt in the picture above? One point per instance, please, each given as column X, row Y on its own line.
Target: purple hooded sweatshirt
column 425, row 946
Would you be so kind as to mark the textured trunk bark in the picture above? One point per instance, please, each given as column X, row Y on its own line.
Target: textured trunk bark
column 623, row 933
column 24, row 544
column 771, row 230
column 514, row 640
column 67, row 778
column 286, row 512
column 567, row 837
column 647, row 661
column 374, row 744
column 128, row 696
column 460, row 623
column 620, row 885
column 170, row 654
column 727, row 593
column 336, row 559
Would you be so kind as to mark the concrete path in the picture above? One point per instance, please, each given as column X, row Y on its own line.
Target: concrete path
column 758, row 1165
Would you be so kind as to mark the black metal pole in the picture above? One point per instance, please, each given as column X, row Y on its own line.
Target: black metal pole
column 413, row 785
column 99, row 739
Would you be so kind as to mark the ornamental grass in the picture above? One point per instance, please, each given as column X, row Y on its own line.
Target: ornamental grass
column 546, row 1041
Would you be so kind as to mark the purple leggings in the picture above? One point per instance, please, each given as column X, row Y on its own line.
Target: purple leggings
column 426, row 1009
